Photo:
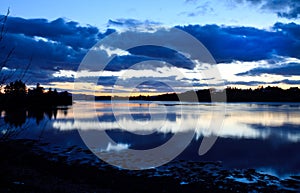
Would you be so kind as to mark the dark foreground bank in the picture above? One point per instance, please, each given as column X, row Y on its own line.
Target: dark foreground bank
column 26, row 168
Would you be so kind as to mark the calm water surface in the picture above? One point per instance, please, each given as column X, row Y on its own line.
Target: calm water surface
column 264, row 136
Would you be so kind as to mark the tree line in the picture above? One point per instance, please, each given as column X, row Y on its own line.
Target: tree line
column 230, row 94
column 17, row 95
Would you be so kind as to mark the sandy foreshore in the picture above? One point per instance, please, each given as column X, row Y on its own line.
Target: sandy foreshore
column 24, row 167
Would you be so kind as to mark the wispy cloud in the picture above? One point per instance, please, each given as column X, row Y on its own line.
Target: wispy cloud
column 289, row 9
column 289, row 69
column 191, row 1
column 202, row 9
column 133, row 24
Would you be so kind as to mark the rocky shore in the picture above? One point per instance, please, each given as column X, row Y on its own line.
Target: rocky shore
column 26, row 167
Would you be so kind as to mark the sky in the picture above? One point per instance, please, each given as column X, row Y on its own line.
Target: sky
column 253, row 43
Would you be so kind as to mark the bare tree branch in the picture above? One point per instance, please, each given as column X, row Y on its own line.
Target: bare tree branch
column 3, row 22
column 5, row 76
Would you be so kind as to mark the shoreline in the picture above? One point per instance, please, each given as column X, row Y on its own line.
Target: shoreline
column 25, row 167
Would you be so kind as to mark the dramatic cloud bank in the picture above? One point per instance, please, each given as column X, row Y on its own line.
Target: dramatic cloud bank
column 247, row 43
column 57, row 48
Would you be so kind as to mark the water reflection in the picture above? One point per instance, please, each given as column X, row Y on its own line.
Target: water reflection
column 17, row 117
column 254, row 121
column 14, row 122
column 263, row 136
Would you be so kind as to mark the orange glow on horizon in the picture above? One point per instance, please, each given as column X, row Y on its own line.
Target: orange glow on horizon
column 121, row 94
column 96, row 90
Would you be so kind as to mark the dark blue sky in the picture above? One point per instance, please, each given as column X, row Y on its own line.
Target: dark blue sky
column 259, row 46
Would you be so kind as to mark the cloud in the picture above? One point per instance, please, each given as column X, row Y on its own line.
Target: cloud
column 202, row 9
column 286, row 81
column 289, row 69
column 107, row 80
column 247, row 83
column 229, row 44
column 113, row 51
column 58, row 46
column 149, row 84
column 132, row 56
column 289, row 9
column 258, row 83
column 291, row 29
column 117, row 147
column 59, row 30
column 52, row 45
column 191, row 1
column 133, row 24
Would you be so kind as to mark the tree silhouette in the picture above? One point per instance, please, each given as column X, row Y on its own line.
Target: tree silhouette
column 17, row 88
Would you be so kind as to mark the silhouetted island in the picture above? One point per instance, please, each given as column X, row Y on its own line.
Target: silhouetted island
column 260, row 94
column 17, row 96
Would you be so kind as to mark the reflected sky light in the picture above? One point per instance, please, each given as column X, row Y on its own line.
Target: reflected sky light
column 242, row 121
column 246, row 140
